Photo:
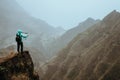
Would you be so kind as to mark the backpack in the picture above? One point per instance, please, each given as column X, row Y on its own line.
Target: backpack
column 18, row 38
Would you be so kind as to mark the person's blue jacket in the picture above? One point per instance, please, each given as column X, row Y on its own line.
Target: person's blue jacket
column 21, row 34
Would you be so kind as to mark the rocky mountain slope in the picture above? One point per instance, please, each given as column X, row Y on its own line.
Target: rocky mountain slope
column 62, row 41
column 17, row 66
column 92, row 55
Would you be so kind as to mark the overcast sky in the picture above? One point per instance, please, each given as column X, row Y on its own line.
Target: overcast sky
column 68, row 13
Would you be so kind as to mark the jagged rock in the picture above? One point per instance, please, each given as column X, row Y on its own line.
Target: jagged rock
column 17, row 66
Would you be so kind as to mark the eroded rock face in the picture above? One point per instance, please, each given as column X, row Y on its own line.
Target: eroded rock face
column 17, row 66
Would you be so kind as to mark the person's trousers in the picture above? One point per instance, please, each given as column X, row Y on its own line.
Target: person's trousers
column 20, row 45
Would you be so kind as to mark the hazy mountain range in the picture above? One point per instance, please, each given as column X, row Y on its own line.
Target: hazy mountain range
column 91, row 55
column 63, row 40
column 14, row 17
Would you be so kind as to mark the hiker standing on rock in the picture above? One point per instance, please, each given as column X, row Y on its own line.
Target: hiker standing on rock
column 19, row 36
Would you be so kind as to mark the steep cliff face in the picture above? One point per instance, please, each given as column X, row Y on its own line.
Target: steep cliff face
column 92, row 55
column 17, row 66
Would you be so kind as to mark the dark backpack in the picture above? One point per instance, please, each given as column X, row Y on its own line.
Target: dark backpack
column 18, row 38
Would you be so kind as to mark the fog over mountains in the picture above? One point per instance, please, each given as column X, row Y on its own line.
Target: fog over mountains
column 14, row 17
column 89, row 51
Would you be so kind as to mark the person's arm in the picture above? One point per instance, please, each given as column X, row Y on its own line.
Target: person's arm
column 24, row 35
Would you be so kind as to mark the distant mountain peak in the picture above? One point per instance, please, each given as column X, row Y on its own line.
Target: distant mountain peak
column 112, row 15
column 90, row 19
column 87, row 21
column 114, row 12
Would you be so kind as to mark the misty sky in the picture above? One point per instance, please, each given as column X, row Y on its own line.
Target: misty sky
column 68, row 13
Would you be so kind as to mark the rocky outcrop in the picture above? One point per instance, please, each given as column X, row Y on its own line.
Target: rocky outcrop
column 17, row 66
column 92, row 55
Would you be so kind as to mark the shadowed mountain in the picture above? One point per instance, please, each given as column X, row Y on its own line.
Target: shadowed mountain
column 92, row 55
